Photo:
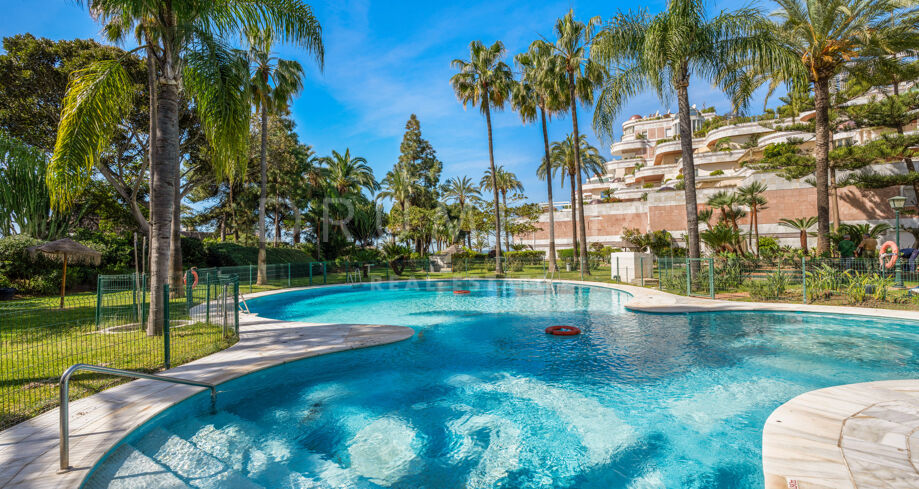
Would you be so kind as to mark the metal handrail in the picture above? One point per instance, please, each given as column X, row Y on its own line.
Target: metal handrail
column 65, row 398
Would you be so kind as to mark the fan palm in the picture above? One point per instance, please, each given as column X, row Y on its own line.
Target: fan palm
column 800, row 224
column 539, row 88
column 822, row 37
column 184, row 42
column 752, row 196
column 485, row 81
column 273, row 82
column 572, row 45
column 461, row 190
column 349, row 175
column 506, row 182
column 664, row 53
column 399, row 186
column 564, row 157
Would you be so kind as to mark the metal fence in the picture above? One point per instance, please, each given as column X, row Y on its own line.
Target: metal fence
column 39, row 339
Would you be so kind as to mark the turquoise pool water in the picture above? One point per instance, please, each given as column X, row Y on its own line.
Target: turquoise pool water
column 480, row 397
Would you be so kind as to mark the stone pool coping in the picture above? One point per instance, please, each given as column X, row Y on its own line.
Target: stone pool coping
column 850, row 436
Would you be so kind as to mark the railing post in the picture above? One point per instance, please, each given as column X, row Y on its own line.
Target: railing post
column 311, row 273
column 166, row 325
column 207, row 300
column 236, row 306
column 688, row 279
column 288, row 274
column 641, row 264
column 188, row 292
column 804, row 277
column 98, row 300
column 711, row 277
column 618, row 273
column 250, row 279
column 325, row 278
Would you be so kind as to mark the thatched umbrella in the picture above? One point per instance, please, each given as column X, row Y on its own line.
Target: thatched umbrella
column 64, row 250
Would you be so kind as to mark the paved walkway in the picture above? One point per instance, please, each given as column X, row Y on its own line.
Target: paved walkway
column 851, row 436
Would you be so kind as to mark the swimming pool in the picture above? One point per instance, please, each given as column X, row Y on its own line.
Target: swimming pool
column 480, row 397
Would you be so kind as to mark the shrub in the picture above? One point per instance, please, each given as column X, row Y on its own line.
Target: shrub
column 566, row 254
column 716, row 173
column 468, row 253
column 773, row 287
column 525, row 255
column 234, row 254
column 16, row 263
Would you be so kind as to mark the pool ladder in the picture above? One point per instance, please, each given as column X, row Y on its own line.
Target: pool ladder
column 65, row 398
column 551, row 275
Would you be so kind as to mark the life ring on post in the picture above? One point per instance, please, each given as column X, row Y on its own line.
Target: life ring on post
column 563, row 330
column 194, row 273
column 894, row 252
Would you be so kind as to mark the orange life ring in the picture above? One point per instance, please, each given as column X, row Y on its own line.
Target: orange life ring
column 460, row 291
column 563, row 330
column 893, row 249
column 194, row 274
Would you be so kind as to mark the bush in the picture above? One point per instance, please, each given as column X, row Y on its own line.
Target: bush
column 526, row 255
column 566, row 254
column 16, row 263
column 469, row 253
column 233, row 254
column 716, row 173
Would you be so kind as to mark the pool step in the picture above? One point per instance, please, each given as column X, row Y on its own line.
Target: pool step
column 128, row 468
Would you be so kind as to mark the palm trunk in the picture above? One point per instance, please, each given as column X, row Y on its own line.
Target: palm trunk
column 582, row 223
column 689, row 172
column 574, row 220
column 175, row 258
column 297, row 218
column 803, row 238
column 263, row 197
column 233, row 215
column 553, row 266
column 756, row 229
column 834, row 201
column 494, row 185
column 821, row 153
column 162, row 197
column 507, row 234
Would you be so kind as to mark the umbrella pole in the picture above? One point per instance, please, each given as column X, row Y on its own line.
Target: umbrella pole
column 64, row 281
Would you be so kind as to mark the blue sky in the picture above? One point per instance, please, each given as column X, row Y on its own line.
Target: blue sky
column 387, row 60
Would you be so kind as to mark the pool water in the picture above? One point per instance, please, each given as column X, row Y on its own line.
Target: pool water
column 481, row 397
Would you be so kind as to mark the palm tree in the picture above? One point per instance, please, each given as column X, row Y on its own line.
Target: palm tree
column 800, row 224
column 400, row 187
column 461, row 190
column 572, row 46
column 273, row 82
column 184, row 43
column 539, row 87
column 349, row 176
column 664, row 53
column 821, row 37
column 485, row 81
column 752, row 196
column 506, row 181
column 705, row 215
column 564, row 157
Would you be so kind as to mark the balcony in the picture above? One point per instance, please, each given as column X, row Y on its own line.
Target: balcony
column 630, row 147
column 717, row 157
column 784, row 137
column 735, row 130
column 655, row 173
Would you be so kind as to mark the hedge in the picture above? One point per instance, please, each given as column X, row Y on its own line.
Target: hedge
column 526, row 255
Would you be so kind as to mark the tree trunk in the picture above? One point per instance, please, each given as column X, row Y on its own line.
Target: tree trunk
column 689, row 172
column 574, row 220
column 223, row 227
column 553, row 266
column 494, row 185
column 834, row 200
column 821, row 153
column 162, row 196
column 297, row 218
column 507, row 234
column 582, row 223
column 176, row 288
column 233, row 215
column 756, row 229
column 263, row 197
column 803, row 238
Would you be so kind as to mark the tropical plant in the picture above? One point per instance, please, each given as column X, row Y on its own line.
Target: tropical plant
column 664, row 53
column 820, row 38
column 572, row 46
column 485, row 81
column 751, row 195
column 462, row 191
column 856, row 231
column 774, row 287
column 273, row 82
column 721, row 238
column 349, row 175
column 564, row 159
column 399, row 186
column 184, row 43
column 800, row 224
column 705, row 215
column 538, row 88
column 822, row 282
column 506, row 182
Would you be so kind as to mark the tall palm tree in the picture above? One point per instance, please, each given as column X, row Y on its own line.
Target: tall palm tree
column 184, row 43
column 400, row 187
column 349, row 175
column 485, row 81
column 801, row 224
column 273, row 82
column 564, row 158
column 506, row 182
column 751, row 195
column 664, row 53
column 539, row 88
column 821, row 37
column 461, row 190
column 573, row 43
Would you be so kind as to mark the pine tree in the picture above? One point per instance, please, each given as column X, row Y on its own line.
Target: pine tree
column 419, row 159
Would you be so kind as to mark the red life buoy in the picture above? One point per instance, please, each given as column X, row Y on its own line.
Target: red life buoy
column 893, row 249
column 194, row 274
column 460, row 291
column 563, row 330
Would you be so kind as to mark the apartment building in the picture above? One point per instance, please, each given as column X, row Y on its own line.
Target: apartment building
column 642, row 184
